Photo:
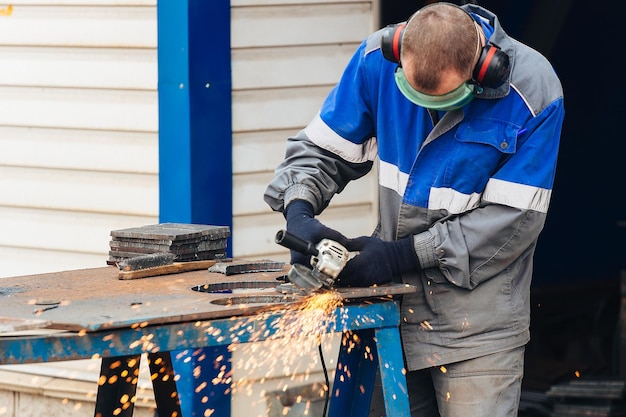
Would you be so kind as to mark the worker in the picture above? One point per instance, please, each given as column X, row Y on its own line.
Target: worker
column 464, row 124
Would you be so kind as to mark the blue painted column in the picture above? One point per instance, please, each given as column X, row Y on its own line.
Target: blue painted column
column 195, row 156
column 195, row 112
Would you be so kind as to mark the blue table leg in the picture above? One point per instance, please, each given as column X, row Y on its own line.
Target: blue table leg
column 359, row 355
column 392, row 372
column 204, row 381
column 354, row 378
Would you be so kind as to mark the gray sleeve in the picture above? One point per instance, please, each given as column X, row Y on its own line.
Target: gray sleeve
column 310, row 173
column 473, row 247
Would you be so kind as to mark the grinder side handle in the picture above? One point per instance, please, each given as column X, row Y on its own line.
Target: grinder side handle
column 293, row 242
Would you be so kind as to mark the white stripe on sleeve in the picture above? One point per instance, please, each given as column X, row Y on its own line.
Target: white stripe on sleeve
column 517, row 195
column 326, row 138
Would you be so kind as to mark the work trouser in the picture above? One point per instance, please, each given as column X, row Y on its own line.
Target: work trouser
column 488, row 386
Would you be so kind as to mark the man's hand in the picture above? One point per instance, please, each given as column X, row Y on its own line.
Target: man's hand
column 301, row 222
column 378, row 262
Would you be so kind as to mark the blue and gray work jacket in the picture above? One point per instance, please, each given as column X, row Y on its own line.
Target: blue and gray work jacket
column 471, row 185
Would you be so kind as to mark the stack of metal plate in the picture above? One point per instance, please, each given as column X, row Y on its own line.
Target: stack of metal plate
column 189, row 242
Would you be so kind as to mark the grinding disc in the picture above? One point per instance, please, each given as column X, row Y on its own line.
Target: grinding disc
column 303, row 277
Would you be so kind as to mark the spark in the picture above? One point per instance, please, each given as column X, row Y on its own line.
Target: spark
column 287, row 340
column 466, row 324
column 426, row 325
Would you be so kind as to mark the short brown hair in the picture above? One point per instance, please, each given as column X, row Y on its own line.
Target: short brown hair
column 440, row 37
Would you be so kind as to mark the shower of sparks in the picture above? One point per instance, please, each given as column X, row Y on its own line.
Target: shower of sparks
column 282, row 359
column 286, row 355
column 292, row 337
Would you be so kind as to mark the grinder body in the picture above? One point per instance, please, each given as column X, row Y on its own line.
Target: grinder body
column 328, row 258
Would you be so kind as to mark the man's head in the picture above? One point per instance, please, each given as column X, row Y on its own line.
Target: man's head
column 440, row 48
column 443, row 58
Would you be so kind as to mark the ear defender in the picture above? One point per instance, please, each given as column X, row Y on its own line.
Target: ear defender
column 391, row 42
column 492, row 69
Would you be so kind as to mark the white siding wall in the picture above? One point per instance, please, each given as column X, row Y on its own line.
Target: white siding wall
column 78, row 158
column 78, row 129
column 79, row 121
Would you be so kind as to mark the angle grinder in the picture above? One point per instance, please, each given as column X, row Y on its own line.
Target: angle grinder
column 328, row 258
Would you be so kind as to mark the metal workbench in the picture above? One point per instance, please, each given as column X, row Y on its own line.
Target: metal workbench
column 91, row 313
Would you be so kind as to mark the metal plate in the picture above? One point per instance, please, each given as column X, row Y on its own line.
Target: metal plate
column 174, row 232
column 95, row 299
column 237, row 286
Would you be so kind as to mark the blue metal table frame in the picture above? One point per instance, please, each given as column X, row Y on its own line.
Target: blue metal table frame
column 371, row 339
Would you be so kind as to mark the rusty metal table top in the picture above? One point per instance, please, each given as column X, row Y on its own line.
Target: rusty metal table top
column 89, row 300
column 92, row 313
